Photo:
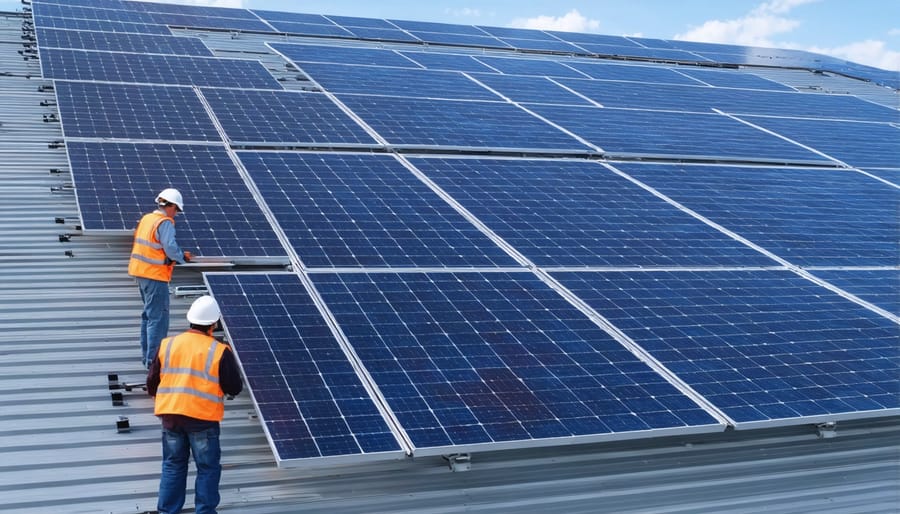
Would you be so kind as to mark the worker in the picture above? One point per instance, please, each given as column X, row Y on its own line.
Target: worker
column 153, row 256
column 189, row 378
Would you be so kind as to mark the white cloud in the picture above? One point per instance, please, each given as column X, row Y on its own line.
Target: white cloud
column 769, row 20
column 572, row 21
column 464, row 12
column 894, row 32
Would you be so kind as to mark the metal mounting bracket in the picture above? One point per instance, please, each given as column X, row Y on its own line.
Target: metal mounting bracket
column 827, row 430
column 459, row 461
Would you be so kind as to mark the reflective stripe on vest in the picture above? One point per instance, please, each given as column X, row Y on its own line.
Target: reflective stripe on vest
column 189, row 377
column 148, row 258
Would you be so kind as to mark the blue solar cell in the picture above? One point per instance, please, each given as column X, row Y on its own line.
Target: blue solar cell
column 311, row 29
column 875, row 145
column 210, row 22
column 155, row 69
column 651, row 133
column 810, row 217
column 193, row 10
column 292, row 17
column 465, row 359
column 879, row 287
column 444, row 38
column 356, row 22
column 630, row 73
column 542, row 45
column 733, row 78
column 576, row 213
column 379, row 80
column 342, row 55
column 764, row 346
column 115, row 184
column 600, row 39
column 661, row 54
column 380, row 34
column 446, row 28
column 539, row 67
column 139, row 43
column 424, row 123
column 530, row 89
column 891, row 175
column 284, row 117
column 508, row 32
column 103, row 4
column 445, row 61
column 100, row 110
column 309, row 398
column 340, row 210
column 88, row 13
column 99, row 26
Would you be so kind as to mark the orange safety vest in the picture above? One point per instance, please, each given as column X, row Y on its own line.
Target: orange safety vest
column 189, row 377
column 148, row 258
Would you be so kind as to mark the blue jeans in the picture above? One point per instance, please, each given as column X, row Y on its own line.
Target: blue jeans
column 154, row 318
column 177, row 445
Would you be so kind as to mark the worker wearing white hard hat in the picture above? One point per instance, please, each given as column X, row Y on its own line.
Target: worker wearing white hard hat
column 153, row 255
column 189, row 379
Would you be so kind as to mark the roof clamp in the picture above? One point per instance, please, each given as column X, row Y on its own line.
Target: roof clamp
column 122, row 425
column 827, row 430
column 458, row 461
column 191, row 291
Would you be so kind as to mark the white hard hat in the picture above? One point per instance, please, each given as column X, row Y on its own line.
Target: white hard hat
column 172, row 196
column 204, row 311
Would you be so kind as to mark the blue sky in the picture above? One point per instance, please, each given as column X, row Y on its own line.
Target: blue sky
column 864, row 31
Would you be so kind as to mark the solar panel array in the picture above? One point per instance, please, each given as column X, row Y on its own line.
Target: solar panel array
column 495, row 249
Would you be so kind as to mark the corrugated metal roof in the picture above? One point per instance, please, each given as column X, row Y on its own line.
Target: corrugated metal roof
column 66, row 320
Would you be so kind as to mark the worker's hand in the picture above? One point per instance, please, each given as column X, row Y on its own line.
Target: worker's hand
column 188, row 256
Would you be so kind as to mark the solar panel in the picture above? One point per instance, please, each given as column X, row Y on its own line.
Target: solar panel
column 864, row 145
column 374, row 80
column 516, row 33
column 542, row 45
column 877, row 286
column 105, row 4
column 601, row 39
column 284, row 117
column 767, row 347
column 498, row 360
column 356, row 22
column 661, row 54
column 115, row 184
column 193, row 10
column 577, row 213
column 140, row 43
column 311, row 29
column 155, row 69
column 733, row 78
column 444, row 61
column 630, row 133
column 456, row 124
column 88, row 13
column 429, row 26
column 310, row 400
column 99, row 110
column 891, row 175
column 541, row 67
column 530, row 89
column 352, row 210
column 443, row 38
column 810, row 217
column 99, row 26
column 292, row 17
column 342, row 55
column 380, row 34
column 211, row 22
column 631, row 73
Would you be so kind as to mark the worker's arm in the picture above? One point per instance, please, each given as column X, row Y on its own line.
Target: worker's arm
column 230, row 374
column 166, row 234
column 153, row 377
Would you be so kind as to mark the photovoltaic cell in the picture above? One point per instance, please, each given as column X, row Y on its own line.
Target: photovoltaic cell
column 100, row 26
column 631, row 73
column 733, row 78
column 427, row 123
column 863, row 145
column 349, row 210
column 139, row 43
column 627, row 133
column 765, row 346
column 880, row 287
column 577, row 213
column 600, row 39
column 284, row 117
column 100, row 110
column 810, row 217
column 663, row 54
column 499, row 360
column 292, row 17
column 444, row 61
column 311, row 29
column 380, row 34
column 115, row 184
column 310, row 400
column 475, row 41
column 530, row 89
column 192, row 10
column 342, row 55
column 539, row 67
column 155, row 69
column 378, row 80
column 446, row 28
column 542, row 45
column 87, row 13
column 508, row 32
column 210, row 22
column 356, row 22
